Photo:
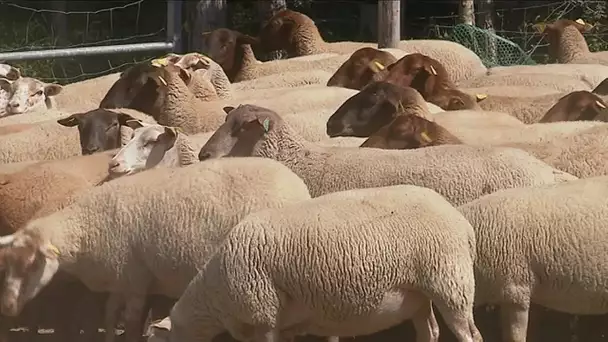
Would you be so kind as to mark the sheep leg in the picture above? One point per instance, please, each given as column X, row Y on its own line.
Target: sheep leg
column 113, row 306
column 462, row 323
column 425, row 324
column 514, row 320
column 133, row 317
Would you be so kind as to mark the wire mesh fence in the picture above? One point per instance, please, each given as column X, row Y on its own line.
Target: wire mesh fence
column 33, row 25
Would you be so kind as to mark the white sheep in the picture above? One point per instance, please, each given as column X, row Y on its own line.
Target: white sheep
column 103, row 237
column 255, row 131
column 210, row 71
column 421, row 247
column 8, row 73
column 544, row 245
column 27, row 94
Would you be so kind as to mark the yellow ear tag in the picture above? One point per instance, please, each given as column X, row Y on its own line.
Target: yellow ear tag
column 54, row 249
column 481, row 96
column 580, row 21
column 600, row 104
column 379, row 65
column 160, row 62
column 540, row 27
column 433, row 71
column 425, row 137
column 162, row 80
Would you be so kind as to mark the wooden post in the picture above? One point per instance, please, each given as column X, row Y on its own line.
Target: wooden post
column 389, row 20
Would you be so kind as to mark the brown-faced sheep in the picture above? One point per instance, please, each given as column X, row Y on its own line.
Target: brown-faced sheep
column 361, row 68
column 532, row 109
column 568, row 45
column 410, row 131
column 297, row 34
column 431, row 79
column 577, row 106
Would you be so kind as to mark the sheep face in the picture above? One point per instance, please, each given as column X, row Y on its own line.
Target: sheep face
column 554, row 31
column 9, row 72
column 361, row 68
column 246, row 126
column 99, row 129
column 577, row 106
column 405, row 132
column 454, row 99
column 223, row 46
column 145, row 150
column 29, row 264
column 133, row 90
column 192, row 62
column 405, row 71
column 367, row 111
column 277, row 32
column 26, row 94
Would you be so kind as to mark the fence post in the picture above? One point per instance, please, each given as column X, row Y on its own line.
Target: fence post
column 389, row 20
column 174, row 24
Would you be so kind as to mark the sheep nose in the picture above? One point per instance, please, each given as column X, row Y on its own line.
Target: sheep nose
column 202, row 155
column 333, row 128
column 14, row 104
column 113, row 163
column 90, row 150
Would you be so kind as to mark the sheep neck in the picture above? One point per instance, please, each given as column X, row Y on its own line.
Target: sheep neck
column 178, row 101
column 571, row 45
column 246, row 63
column 305, row 159
column 93, row 168
column 181, row 154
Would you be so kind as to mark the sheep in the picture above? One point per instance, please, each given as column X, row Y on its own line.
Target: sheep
column 8, row 74
column 47, row 140
column 85, row 95
column 361, row 68
column 535, row 256
column 578, row 105
column 9, row 129
column 197, row 204
column 381, row 101
column 178, row 105
column 212, row 71
column 567, row 43
column 28, row 94
column 298, row 35
column 532, row 109
column 232, row 50
column 400, row 288
column 410, row 131
column 594, row 74
column 250, row 130
column 155, row 145
column 513, row 90
column 561, row 83
column 429, row 77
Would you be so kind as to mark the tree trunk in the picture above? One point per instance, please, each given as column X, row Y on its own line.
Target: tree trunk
column 204, row 16
column 466, row 12
column 485, row 20
column 389, row 23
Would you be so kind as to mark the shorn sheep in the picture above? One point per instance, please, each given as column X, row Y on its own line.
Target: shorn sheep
column 27, row 94
column 535, row 256
column 297, row 34
column 361, row 68
column 8, row 74
column 422, row 246
column 567, row 43
column 576, row 106
column 103, row 237
column 255, row 131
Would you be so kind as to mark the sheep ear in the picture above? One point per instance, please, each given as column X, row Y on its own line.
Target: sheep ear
column 71, row 120
column 13, row 74
column 134, row 124
column 5, row 84
column 168, row 137
column 123, row 118
column 228, row 109
column 602, row 88
column 52, row 89
column 162, row 324
column 185, row 75
column 247, row 39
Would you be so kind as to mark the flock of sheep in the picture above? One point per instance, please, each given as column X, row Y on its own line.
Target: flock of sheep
column 362, row 188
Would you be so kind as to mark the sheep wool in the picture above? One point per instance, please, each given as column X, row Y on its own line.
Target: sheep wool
column 189, row 209
column 331, row 169
column 287, row 79
column 561, row 83
column 552, row 252
column 428, row 252
column 594, row 74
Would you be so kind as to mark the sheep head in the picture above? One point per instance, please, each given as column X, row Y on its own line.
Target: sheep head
column 145, row 150
column 245, row 127
column 420, row 72
column 132, row 90
column 361, row 68
column 99, row 129
column 374, row 106
column 29, row 264
column 224, row 47
column 9, row 72
column 577, row 106
column 404, row 132
column 26, row 94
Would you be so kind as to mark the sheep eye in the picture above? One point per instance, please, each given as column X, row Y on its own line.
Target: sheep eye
column 38, row 93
